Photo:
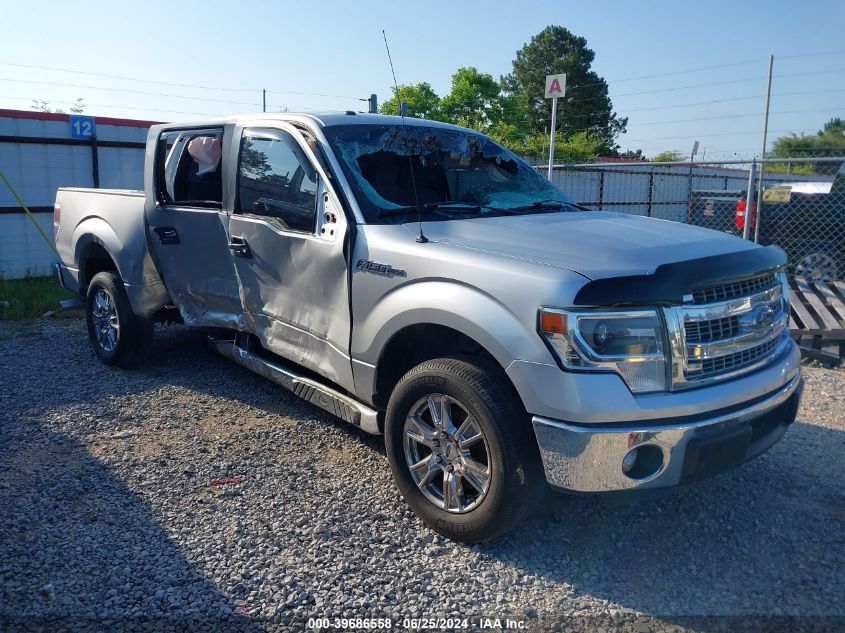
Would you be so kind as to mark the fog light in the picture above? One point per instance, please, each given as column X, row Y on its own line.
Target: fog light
column 643, row 462
column 628, row 461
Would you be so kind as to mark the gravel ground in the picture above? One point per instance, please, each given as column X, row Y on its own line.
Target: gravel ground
column 189, row 493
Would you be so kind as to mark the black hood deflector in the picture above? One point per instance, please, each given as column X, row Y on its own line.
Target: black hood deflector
column 668, row 284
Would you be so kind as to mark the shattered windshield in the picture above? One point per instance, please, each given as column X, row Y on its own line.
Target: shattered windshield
column 454, row 171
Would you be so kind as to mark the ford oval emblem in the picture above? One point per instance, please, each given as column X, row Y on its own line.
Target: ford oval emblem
column 760, row 318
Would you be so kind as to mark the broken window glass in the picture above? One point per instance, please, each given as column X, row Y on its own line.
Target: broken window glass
column 391, row 167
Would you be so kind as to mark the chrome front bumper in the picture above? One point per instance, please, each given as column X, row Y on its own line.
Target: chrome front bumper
column 588, row 458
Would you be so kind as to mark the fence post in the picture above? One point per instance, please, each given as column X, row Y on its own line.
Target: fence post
column 601, row 189
column 650, row 191
column 95, row 163
column 689, row 183
column 749, row 201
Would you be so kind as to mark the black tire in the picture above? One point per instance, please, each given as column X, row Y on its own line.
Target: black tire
column 134, row 334
column 516, row 480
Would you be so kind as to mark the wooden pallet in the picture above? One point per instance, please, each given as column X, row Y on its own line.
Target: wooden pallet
column 817, row 319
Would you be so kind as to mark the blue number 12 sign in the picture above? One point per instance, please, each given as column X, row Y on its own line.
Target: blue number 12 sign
column 82, row 127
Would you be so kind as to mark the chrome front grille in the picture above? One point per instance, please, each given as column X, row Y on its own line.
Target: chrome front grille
column 725, row 338
column 733, row 289
column 713, row 330
column 730, row 362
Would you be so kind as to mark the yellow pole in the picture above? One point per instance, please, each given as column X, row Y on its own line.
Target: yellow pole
column 28, row 212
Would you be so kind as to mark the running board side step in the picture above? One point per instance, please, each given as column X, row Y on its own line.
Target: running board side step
column 338, row 404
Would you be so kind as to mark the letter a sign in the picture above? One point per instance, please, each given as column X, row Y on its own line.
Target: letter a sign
column 555, row 86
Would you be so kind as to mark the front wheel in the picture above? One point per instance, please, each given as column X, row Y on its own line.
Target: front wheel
column 118, row 336
column 462, row 450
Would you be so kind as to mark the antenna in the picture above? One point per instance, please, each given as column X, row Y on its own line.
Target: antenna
column 421, row 238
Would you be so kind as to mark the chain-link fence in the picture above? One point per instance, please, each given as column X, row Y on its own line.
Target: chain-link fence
column 807, row 220
column 803, row 212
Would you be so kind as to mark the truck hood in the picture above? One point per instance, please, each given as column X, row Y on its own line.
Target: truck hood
column 595, row 244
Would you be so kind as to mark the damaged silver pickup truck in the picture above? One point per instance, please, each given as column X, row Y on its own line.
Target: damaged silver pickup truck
column 418, row 280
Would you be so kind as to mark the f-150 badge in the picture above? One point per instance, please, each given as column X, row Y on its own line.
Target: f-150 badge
column 385, row 270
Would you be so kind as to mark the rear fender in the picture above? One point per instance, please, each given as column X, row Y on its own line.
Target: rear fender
column 144, row 286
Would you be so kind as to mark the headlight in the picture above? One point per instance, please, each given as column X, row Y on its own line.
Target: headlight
column 629, row 343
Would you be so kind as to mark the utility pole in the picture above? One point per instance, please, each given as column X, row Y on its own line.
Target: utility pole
column 749, row 202
column 263, row 100
column 763, row 150
column 372, row 103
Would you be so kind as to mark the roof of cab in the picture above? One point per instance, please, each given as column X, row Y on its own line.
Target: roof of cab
column 328, row 119
column 322, row 119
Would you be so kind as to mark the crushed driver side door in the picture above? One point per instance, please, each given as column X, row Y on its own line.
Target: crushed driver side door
column 287, row 237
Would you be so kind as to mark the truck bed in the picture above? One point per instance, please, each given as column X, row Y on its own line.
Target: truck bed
column 107, row 223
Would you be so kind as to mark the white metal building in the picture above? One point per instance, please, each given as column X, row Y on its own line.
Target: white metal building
column 40, row 152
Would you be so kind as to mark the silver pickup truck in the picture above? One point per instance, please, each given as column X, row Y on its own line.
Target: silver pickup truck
column 418, row 280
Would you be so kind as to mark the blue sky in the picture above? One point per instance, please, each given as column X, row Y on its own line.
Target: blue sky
column 336, row 49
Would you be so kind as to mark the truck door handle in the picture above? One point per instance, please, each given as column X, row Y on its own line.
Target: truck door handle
column 166, row 234
column 239, row 247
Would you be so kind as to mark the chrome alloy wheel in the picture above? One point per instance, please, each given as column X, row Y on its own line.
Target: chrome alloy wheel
column 447, row 453
column 106, row 324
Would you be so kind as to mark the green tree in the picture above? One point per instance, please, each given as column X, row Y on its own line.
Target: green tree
column 578, row 148
column 633, row 154
column 473, row 101
column 586, row 106
column 422, row 101
column 829, row 141
column 77, row 107
column 669, row 156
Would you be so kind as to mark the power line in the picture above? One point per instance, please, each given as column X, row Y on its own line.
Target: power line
column 699, row 136
column 169, row 83
column 705, row 85
column 804, row 73
column 730, row 116
column 726, row 100
column 129, row 91
column 106, row 76
column 670, row 74
column 102, row 105
column 703, row 68
column 117, row 107
column 810, row 54
column 650, row 92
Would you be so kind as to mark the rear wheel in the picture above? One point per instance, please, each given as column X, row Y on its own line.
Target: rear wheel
column 118, row 336
column 462, row 450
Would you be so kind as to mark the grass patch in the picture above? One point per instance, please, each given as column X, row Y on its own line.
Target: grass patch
column 31, row 297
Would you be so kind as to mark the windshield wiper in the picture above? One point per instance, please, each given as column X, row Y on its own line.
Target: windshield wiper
column 546, row 204
column 446, row 205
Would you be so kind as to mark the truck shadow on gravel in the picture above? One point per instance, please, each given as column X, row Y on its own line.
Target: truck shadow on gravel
column 766, row 533
column 763, row 539
column 81, row 550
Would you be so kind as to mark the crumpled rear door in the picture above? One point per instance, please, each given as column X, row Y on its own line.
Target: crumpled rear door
column 188, row 240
